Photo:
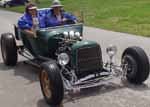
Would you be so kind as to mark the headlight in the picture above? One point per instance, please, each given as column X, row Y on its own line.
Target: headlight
column 77, row 34
column 66, row 34
column 72, row 34
column 111, row 50
column 63, row 59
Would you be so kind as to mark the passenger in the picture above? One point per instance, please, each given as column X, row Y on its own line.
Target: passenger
column 56, row 16
column 32, row 20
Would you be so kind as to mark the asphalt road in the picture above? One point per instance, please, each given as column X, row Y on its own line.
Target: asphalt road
column 19, row 86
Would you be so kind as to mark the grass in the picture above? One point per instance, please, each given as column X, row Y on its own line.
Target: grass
column 130, row 16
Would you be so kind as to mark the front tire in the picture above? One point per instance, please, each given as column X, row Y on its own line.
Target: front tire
column 51, row 83
column 9, row 49
column 137, row 65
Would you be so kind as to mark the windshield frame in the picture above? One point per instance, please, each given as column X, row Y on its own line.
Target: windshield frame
column 62, row 26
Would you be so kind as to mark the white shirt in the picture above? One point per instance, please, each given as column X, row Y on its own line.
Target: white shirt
column 35, row 23
column 59, row 17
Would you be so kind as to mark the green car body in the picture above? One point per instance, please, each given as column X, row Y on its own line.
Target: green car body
column 47, row 42
column 46, row 39
column 70, row 63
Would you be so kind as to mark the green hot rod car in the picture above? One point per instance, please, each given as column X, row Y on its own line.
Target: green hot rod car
column 68, row 63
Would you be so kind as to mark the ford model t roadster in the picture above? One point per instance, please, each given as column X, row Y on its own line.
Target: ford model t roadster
column 68, row 62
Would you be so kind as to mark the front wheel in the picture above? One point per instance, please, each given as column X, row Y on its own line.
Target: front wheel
column 51, row 83
column 136, row 64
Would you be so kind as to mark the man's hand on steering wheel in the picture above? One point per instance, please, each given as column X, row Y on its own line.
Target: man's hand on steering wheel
column 67, row 21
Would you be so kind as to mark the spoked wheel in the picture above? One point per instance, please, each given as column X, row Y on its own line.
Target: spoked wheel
column 9, row 49
column 135, row 65
column 46, row 84
column 51, row 83
column 129, row 66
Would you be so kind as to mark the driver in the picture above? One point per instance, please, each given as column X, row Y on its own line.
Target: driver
column 56, row 15
column 32, row 20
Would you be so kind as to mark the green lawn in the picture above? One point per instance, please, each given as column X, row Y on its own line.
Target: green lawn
column 130, row 16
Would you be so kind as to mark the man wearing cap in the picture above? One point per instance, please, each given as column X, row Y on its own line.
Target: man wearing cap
column 56, row 16
column 31, row 20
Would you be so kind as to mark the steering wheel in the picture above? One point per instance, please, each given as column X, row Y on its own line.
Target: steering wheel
column 70, row 21
column 67, row 21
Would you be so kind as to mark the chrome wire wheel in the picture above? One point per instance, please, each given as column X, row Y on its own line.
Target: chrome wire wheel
column 137, row 61
column 129, row 66
column 46, row 84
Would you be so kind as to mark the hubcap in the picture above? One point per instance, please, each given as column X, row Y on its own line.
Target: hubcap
column 129, row 66
column 46, row 84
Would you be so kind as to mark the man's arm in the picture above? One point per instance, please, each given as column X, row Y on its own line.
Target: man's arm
column 24, row 25
column 30, row 32
column 71, row 17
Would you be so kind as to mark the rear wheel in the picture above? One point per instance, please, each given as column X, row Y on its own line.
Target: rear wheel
column 135, row 65
column 6, row 5
column 9, row 49
column 51, row 83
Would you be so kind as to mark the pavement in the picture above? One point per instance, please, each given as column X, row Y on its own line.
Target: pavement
column 19, row 85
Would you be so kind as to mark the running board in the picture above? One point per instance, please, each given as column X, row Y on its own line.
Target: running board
column 32, row 63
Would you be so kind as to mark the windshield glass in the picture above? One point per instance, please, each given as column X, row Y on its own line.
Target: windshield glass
column 79, row 16
column 79, row 22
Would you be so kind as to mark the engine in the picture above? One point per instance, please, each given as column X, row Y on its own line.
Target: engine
column 84, row 57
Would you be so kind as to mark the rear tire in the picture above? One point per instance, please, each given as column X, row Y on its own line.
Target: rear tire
column 51, row 83
column 9, row 49
column 7, row 6
column 138, row 64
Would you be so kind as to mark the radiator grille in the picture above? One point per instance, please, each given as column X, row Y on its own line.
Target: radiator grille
column 89, row 58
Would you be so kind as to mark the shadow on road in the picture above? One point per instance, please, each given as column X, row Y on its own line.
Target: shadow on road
column 137, row 87
column 96, row 91
column 4, row 67
column 26, row 71
column 42, row 103
column 32, row 74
